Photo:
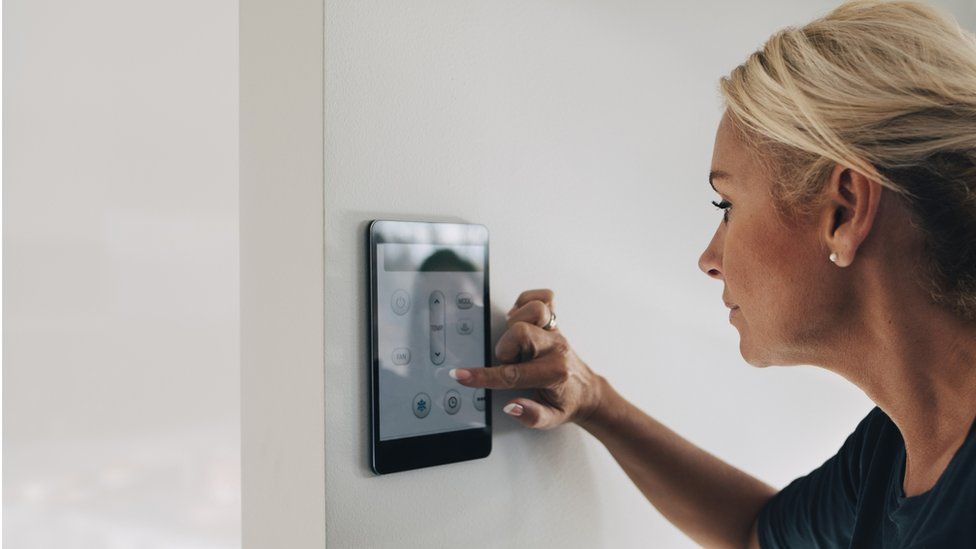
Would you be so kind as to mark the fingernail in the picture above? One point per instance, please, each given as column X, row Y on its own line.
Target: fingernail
column 459, row 374
column 513, row 409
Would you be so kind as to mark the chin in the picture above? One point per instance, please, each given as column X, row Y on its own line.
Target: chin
column 752, row 358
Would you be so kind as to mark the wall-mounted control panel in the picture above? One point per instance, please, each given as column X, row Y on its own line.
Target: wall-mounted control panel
column 429, row 312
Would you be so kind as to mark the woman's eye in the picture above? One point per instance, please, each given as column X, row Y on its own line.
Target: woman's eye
column 723, row 205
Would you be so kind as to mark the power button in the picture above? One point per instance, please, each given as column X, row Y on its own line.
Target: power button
column 400, row 302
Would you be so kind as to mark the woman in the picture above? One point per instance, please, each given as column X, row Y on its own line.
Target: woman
column 846, row 164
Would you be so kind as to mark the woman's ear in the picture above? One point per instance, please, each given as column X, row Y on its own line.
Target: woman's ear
column 850, row 208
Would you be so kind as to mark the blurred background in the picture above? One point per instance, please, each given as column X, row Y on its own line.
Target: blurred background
column 121, row 368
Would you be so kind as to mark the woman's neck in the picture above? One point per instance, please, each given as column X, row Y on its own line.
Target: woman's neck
column 917, row 362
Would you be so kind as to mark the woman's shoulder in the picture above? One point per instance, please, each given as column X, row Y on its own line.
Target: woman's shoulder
column 872, row 428
column 876, row 419
column 875, row 436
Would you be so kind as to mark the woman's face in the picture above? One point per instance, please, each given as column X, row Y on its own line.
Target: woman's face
column 777, row 276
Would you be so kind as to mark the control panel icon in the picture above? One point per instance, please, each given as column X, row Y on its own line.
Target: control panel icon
column 421, row 405
column 465, row 300
column 401, row 356
column 452, row 402
column 438, row 338
column 400, row 302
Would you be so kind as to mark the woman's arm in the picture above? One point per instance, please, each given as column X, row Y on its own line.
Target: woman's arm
column 714, row 503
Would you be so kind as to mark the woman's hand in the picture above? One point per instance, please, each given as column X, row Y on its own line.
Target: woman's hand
column 535, row 358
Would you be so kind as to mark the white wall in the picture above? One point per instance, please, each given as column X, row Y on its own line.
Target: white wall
column 282, row 375
column 121, row 377
column 580, row 133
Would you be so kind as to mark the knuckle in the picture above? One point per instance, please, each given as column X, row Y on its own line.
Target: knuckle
column 510, row 375
column 539, row 310
column 505, row 351
column 521, row 330
column 561, row 372
column 561, row 348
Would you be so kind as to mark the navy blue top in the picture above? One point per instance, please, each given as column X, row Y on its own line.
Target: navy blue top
column 855, row 498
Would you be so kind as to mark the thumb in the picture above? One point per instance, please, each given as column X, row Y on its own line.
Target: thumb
column 531, row 413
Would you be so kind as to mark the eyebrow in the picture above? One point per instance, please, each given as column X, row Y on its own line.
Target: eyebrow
column 716, row 174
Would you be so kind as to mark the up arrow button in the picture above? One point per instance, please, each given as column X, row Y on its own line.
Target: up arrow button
column 438, row 336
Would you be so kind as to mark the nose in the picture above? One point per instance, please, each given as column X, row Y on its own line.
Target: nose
column 710, row 261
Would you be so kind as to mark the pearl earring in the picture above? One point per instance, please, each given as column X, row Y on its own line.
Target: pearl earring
column 833, row 256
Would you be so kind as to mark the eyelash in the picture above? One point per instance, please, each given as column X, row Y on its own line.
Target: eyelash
column 724, row 205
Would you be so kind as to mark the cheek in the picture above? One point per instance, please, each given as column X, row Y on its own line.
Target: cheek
column 767, row 271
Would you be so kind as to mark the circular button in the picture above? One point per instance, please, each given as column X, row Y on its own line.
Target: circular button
column 400, row 302
column 465, row 326
column 452, row 402
column 421, row 405
column 479, row 400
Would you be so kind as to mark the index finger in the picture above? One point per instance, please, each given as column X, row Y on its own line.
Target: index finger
column 526, row 375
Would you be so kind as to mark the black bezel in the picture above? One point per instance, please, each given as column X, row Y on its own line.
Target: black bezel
column 403, row 454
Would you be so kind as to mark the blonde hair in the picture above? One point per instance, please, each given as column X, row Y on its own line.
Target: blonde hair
column 887, row 89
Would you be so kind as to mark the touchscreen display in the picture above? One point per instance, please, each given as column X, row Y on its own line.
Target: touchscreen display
column 430, row 318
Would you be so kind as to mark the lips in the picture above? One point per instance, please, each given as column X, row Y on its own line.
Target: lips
column 733, row 309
